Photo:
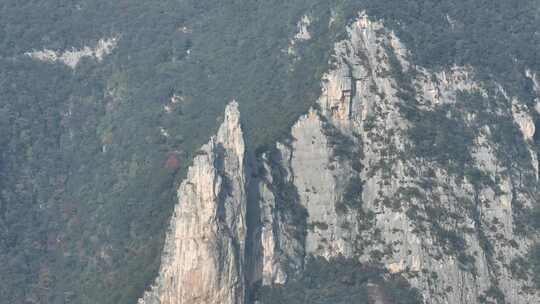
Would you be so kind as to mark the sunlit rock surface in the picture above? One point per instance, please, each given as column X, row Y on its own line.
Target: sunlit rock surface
column 72, row 57
column 204, row 250
column 352, row 182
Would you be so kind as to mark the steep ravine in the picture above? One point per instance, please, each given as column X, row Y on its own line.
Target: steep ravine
column 362, row 177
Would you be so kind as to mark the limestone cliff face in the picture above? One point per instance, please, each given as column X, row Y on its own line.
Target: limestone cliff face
column 357, row 179
column 369, row 195
column 204, row 249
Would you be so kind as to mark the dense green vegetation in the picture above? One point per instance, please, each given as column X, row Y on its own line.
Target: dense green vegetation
column 341, row 281
column 86, row 181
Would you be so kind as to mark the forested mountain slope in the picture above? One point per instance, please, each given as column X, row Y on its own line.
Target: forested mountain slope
column 104, row 106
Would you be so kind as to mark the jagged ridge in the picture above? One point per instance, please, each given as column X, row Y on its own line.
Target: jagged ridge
column 355, row 182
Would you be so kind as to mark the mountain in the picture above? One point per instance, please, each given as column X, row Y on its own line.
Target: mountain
column 244, row 152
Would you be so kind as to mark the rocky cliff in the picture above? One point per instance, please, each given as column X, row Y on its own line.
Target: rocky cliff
column 427, row 173
column 203, row 260
column 446, row 221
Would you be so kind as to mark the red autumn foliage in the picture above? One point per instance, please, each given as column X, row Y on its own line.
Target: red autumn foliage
column 172, row 162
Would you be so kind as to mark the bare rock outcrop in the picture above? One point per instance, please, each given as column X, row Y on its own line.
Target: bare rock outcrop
column 72, row 57
column 369, row 193
column 365, row 177
column 203, row 256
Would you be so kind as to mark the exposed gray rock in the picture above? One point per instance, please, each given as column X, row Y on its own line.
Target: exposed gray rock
column 72, row 57
column 368, row 197
column 282, row 220
column 203, row 256
column 350, row 183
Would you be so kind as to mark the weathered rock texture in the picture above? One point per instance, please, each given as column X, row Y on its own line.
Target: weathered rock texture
column 204, row 250
column 369, row 194
column 357, row 180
